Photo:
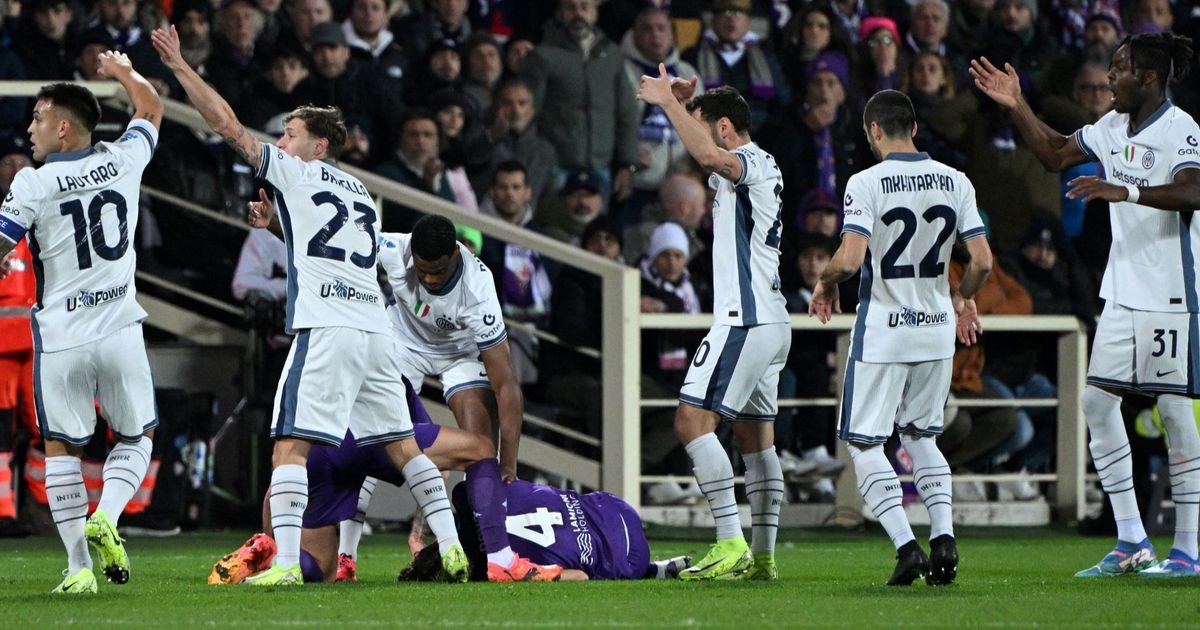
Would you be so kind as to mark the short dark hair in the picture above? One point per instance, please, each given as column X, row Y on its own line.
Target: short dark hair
column 1160, row 52
column 723, row 102
column 433, row 236
column 511, row 166
column 323, row 122
column 414, row 113
column 511, row 82
column 78, row 101
column 893, row 112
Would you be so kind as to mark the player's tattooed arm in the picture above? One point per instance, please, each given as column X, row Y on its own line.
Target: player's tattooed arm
column 215, row 110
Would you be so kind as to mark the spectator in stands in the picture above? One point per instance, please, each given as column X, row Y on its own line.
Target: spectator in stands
column 350, row 84
column 880, row 69
column 274, row 22
column 1101, row 34
column 809, row 33
column 730, row 53
column 515, row 51
column 415, row 163
column 443, row 19
column 578, row 203
column 1092, row 97
column 233, row 66
column 928, row 82
column 484, row 68
column 522, row 276
column 681, row 200
column 261, row 272
column 970, row 28
column 972, row 439
column 462, row 142
column 441, row 69
column 1046, row 266
column 817, row 142
column 820, row 213
column 44, row 49
column 515, row 136
column 1020, row 40
column 193, row 19
column 369, row 38
column 303, row 16
column 928, row 27
column 276, row 93
column 587, row 107
column 572, row 380
column 648, row 44
column 1158, row 13
column 804, row 435
column 117, row 19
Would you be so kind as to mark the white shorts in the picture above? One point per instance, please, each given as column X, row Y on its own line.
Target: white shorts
column 113, row 371
column 1145, row 351
column 456, row 373
column 735, row 371
column 331, row 370
column 879, row 396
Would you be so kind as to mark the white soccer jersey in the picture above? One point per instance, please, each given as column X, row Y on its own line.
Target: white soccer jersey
column 746, row 233
column 329, row 222
column 908, row 207
column 80, row 211
column 460, row 319
column 1152, row 264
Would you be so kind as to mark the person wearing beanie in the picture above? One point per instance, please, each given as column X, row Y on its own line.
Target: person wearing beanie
column 880, row 50
column 45, row 45
column 1101, row 32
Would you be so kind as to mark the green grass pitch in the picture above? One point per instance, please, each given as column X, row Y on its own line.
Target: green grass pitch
column 1007, row 579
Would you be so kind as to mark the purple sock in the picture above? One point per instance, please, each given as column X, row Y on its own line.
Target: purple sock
column 310, row 569
column 485, row 492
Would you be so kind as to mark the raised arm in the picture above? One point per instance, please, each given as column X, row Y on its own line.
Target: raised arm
column 215, row 110
column 1055, row 151
column 696, row 137
column 146, row 103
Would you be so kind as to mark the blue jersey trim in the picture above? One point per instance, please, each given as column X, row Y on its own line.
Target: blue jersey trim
column 1083, row 146
column 311, row 436
column 907, row 156
column 972, row 233
column 847, row 401
column 465, row 386
column 143, row 133
column 745, row 168
column 70, row 156
column 727, row 362
column 1183, row 166
column 265, row 163
column 12, row 230
column 394, row 436
column 1158, row 113
column 487, row 345
column 857, row 229
column 866, row 279
column 293, row 276
column 285, row 423
column 39, row 276
column 744, row 216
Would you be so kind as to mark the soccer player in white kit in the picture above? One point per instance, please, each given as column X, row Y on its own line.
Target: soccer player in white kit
column 80, row 211
column 1147, row 340
column 900, row 217
column 448, row 320
column 735, row 372
column 343, row 356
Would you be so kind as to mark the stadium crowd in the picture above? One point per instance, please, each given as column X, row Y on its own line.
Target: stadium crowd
column 525, row 110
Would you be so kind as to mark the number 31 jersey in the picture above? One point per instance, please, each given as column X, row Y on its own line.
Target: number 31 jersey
column 80, row 211
column 329, row 222
column 908, row 207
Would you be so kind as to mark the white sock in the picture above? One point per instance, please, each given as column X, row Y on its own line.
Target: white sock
column 425, row 482
column 1111, row 455
column 880, row 488
column 350, row 532
column 124, row 471
column 288, row 498
column 1184, row 463
column 764, row 490
column 714, row 473
column 931, row 476
column 68, row 506
column 505, row 557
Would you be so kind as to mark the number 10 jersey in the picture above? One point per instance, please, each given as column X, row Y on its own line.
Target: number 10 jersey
column 329, row 222
column 908, row 207
column 80, row 211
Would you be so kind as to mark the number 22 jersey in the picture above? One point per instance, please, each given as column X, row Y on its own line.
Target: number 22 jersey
column 908, row 207
column 80, row 211
column 328, row 221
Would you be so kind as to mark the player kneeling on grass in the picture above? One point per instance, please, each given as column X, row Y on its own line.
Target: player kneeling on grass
column 335, row 475
column 593, row 536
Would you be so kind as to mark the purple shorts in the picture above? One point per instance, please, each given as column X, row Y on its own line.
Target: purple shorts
column 336, row 474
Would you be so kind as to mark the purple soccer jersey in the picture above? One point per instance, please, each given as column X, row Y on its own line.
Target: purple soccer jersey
column 597, row 533
column 335, row 474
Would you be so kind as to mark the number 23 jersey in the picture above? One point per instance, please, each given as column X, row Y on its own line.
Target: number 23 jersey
column 329, row 223
column 80, row 211
column 908, row 207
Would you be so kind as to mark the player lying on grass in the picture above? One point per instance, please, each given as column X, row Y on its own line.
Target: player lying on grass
column 593, row 536
column 335, row 475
